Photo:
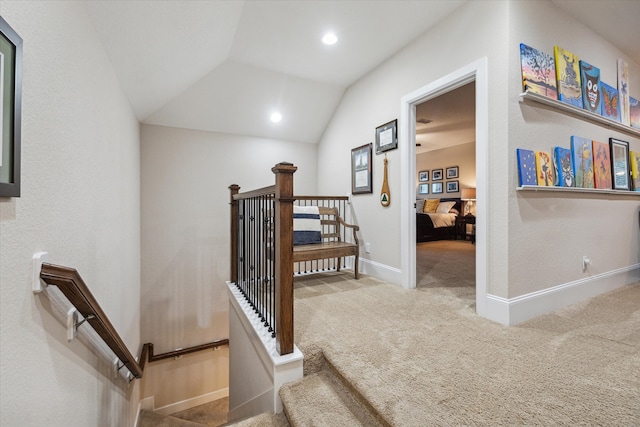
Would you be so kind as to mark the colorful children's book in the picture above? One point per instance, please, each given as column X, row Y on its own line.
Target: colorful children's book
column 544, row 169
column 563, row 167
column 590, row 79
column 602, row 165
column 610, row 102
column 568, row 77
column 538, row 72
column 526, row 167
column 634, row 157
column 634, row 112
column 623, row 91
column 582, row 158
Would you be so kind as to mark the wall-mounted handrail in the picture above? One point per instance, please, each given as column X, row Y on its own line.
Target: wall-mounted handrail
column 148, row 350
column 73, row 287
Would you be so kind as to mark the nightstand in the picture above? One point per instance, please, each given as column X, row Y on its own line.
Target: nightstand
column 461, row 227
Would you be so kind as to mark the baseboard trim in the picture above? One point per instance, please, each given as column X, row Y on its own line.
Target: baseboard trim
column 381, row 271
column 511, row 311
column 193, row 402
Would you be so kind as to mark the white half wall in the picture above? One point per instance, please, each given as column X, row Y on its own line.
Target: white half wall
column 256, row 370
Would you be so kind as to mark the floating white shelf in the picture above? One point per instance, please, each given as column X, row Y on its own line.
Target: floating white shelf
column 580, row 113
column 577, row 190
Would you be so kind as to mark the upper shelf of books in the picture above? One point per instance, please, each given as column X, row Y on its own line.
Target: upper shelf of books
column 580, row 113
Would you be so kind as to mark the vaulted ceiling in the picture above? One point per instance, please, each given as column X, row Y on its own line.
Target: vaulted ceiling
column 225, row 66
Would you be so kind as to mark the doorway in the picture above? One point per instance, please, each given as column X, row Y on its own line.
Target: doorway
column 446, row 165
column 475, row 72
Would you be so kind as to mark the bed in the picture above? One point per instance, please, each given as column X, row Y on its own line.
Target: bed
column 438, row 225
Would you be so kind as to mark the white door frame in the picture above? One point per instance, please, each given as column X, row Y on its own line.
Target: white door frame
column 478, row 72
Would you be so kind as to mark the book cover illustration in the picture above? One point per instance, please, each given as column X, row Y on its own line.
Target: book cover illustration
column 568, row 77
column 538, row 72
column 610, row 102
column 634, row 162
column 563, row 167
column 544, row 169
column 590, row 79
column 634, row 112
column 601, row 165
column 582, row 161
column 526, row 167
column 623, row 91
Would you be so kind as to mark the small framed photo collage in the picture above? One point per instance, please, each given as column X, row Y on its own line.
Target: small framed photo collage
column 441, row 180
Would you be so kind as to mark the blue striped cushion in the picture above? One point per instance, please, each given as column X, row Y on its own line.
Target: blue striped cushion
column 306, row 225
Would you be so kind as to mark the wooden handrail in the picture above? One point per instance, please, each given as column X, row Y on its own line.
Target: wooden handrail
column 73, row 287
column 265, row 191
column 148, row 348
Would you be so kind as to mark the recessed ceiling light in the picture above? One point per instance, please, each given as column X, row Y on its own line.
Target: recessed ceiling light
column 330, row 39
column 276, row 117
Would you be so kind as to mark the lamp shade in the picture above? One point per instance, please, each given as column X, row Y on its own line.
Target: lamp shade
column 468, row 194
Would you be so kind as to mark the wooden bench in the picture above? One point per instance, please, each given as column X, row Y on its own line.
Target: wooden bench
column 332, row 246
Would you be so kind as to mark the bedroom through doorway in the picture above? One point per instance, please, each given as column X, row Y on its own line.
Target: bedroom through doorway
column 446, row 172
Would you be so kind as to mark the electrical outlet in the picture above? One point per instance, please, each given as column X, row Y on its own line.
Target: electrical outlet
column 367, row 247
column 585, row 262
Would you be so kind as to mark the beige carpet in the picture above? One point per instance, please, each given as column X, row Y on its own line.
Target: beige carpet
column 376, row 354
column 423, row 357
column 446, row 263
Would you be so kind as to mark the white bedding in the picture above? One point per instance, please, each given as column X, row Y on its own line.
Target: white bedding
column 442, row 219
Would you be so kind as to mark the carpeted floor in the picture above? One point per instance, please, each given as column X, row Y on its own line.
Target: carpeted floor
column 445, row 263
column 423, row 357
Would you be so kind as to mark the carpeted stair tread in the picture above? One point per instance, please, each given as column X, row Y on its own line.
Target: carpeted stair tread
column 262, row 420
column 320, row 399
column 154, row 419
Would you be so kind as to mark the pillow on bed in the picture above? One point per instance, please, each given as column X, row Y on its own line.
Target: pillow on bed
column 444, row 207
column 430, row 205
column 420, row 205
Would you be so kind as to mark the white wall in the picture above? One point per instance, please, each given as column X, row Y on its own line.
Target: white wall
column 474, row 31
column 557, row 229
column 185, row 231
column 463, row 156
column 80, row 202
column 554, row 230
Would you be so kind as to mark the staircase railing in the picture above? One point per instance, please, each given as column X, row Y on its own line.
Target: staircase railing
column 262, row 252
column 73, row 287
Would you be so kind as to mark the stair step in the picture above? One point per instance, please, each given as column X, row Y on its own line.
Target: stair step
column 154, row 419
column 321, row 399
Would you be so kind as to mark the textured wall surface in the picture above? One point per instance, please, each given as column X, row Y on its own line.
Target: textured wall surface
column 81, row 203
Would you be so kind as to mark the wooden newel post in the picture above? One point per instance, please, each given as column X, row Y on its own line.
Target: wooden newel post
column 284, row 256
column 234, row 189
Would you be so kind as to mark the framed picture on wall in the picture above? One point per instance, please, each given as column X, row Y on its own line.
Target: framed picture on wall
column 423, row 189
column 620, row 164
column 387, row 136
column 436, row 187
column 436, row 175
column 361, row 169
column 452, row 186
column 452, row 172
column 10, row 110
column 423, row 176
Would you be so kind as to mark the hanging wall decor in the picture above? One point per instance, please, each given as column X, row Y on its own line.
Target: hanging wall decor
column 385, row 194
column 387, row 137
column 10, row 116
